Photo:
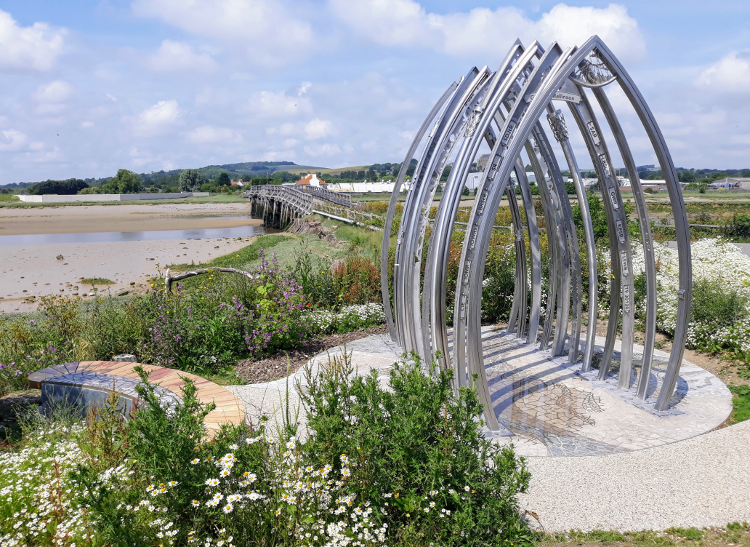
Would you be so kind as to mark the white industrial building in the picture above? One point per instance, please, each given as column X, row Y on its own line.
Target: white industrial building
column 366, row 187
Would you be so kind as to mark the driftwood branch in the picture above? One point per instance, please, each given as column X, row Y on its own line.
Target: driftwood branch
column 172, row 278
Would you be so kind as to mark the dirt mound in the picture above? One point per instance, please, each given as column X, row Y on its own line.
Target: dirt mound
column 314, row 227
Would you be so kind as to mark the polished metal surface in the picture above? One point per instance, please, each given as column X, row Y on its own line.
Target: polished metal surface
column 507, row 111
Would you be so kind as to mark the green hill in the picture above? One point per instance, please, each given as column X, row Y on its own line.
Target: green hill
column 281, row 171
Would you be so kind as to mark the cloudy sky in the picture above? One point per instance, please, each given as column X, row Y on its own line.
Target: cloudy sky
column 90, row 86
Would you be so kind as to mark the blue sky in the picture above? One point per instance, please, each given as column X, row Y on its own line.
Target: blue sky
column 88, row 87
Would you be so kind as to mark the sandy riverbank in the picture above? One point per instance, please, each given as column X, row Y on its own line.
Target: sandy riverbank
column 36, row 269
column 28, row 270
column 130, row 218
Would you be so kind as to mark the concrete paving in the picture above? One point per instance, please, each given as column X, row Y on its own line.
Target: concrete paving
column 634, row 469
column 700, row 482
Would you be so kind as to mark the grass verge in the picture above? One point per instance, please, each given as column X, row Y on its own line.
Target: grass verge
column 732, row 534
column 740, row 403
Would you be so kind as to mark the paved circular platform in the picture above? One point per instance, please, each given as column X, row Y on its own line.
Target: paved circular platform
column 547, row 405
column 553, row 409
column 635, row 470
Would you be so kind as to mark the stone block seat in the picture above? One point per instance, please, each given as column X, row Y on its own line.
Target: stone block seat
column 90, row 383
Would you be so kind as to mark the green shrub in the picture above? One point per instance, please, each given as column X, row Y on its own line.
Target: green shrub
column 416, row 453
column 331, row 285
column 500, row 278
column 688, row 533
column 315, row 276
column 37, row 506
column 222, row 320
column 740, row 226
column 716, row 304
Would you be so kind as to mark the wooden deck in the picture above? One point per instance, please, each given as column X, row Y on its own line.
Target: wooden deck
column 229, row 410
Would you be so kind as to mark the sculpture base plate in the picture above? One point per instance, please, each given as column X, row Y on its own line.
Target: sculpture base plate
column 553, row 409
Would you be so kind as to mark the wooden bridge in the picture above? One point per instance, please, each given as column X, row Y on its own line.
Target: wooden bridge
column 278, row 205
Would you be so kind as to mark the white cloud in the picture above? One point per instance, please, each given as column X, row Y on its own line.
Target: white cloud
column 326, row 149
column 318, row 129
column 49, row 109
column 574, row 25
column 740, row 139
column 267, row 32
column 312, row 130
column 483, row 31
column 158, row 118
column 12, row 140
column 142, row 158
column 53, row 156
column 267, row 104
column 290, row 143
column 36, row 47
column 54, row 92
column 731, row 74
column 86, row 125
column 179, row 57
column 208, row 134
column 275, row 155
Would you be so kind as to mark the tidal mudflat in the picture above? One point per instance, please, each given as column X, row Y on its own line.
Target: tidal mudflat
column 48, row 250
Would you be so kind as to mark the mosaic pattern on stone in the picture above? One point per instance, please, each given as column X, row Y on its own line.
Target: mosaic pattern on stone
column 549, row 401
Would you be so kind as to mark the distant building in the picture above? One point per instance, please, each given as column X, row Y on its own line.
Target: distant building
column 725, row 184
column 658, row 185
column 588, row 183
column 473, row 180
column 310, row 180
column 367, row 187
column 737, row 183
column 238, row 183
column 482, row 161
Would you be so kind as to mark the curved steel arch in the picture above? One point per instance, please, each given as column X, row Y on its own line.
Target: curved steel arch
column 503, row 110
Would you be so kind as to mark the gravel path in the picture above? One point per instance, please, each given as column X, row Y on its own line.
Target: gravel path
column 700, row 482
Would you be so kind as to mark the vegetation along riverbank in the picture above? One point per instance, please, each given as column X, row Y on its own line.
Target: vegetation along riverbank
column 402, row 465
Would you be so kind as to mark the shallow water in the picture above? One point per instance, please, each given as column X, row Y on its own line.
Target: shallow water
column 149, row 235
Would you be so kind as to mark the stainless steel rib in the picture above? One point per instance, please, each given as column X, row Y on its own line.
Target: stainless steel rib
column 385, row 249
column 504, row 109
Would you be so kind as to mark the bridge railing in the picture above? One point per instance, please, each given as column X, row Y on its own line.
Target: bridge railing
column 324, row 194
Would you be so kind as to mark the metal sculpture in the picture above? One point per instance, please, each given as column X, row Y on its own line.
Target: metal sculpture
column 503, row 109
